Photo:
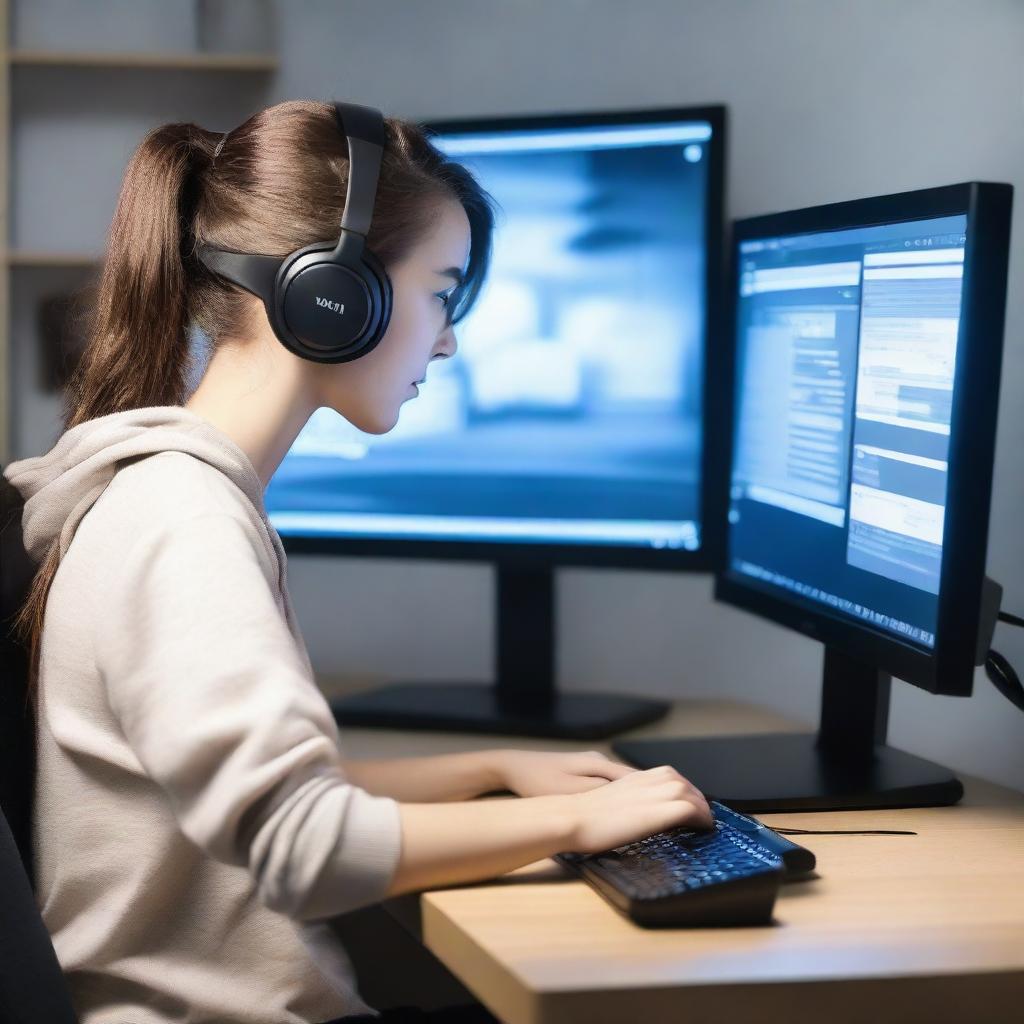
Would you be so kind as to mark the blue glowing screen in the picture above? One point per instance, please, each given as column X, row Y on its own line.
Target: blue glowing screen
column 571, row 413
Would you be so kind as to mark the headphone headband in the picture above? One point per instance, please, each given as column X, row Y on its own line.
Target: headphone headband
column 363, row 128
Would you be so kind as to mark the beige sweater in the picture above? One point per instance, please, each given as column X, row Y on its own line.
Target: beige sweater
column 194, row 827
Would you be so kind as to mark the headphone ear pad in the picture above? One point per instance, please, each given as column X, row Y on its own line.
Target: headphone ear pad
column 379, row 284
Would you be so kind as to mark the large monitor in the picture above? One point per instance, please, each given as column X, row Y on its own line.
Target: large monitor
column 569, row 429
column 868, row 341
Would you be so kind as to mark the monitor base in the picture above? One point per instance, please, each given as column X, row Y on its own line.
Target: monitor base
column 785, row 772
column 468, row 707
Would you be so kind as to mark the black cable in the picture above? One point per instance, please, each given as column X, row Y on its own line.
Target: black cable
column 1001, row 672
column 841, row 832
column 1003, row 677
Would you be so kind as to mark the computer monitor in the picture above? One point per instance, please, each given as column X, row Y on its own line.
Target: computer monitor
column 863, row 393
column 569, row 428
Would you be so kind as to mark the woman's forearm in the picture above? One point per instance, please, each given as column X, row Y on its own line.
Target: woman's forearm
column 429, row 779
column 452, row 844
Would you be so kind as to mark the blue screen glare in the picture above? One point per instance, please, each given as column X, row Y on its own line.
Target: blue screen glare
column 571, row 413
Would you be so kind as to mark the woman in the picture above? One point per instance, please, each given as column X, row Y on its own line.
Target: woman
column 196, row 823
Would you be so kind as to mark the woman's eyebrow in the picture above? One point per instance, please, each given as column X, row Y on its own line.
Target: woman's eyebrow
column 454, row 273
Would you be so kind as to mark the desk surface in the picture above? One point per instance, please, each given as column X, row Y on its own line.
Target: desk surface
column 902, row 928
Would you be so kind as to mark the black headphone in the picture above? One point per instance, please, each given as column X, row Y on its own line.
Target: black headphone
column 329, row 301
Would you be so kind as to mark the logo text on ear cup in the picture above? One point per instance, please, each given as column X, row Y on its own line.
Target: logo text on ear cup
column 338, row 307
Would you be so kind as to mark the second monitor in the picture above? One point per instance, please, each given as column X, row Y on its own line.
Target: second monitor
column 867, row 340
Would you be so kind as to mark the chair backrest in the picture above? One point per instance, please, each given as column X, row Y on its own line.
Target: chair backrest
column 17, row 728
column 32, row 987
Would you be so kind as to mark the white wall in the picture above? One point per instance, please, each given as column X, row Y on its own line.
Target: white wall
column 828, row 100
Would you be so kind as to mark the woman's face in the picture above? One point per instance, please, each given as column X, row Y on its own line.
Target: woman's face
column 370, row 391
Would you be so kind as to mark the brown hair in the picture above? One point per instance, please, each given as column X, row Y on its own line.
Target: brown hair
column 277, row 184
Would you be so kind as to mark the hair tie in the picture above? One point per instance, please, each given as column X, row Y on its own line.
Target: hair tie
column 220, row 145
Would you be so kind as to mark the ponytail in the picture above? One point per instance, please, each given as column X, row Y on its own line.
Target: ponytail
column 138, row 353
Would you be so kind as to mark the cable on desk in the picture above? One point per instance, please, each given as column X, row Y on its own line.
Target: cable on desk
column 841, row 832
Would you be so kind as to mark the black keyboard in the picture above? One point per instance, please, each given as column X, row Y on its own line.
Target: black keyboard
column 683, row 878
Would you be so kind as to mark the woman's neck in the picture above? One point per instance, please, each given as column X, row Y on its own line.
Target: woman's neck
column 255, row 392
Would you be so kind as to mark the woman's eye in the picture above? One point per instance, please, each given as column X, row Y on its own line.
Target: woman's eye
column 445, row 298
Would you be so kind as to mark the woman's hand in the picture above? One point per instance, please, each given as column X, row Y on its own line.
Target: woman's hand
column 468, row 841
column 543, row 773
column 633, row 807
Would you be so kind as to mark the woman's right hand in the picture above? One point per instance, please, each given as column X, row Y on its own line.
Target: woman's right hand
column 634, row 807
column 467, row 841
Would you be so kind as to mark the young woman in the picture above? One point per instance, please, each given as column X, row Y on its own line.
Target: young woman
column 196, row 823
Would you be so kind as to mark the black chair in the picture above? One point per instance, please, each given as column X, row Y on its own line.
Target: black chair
column 17, row 731
column 32, row 986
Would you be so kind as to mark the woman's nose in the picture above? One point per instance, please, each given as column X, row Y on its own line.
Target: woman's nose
column 449, row 343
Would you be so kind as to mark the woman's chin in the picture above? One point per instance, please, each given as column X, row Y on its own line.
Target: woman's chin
column 375, row 424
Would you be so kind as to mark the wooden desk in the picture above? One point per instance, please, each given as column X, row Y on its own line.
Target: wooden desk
column 925, row 928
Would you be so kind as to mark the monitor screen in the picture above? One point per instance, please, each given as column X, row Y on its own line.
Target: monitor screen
column 572, row 412
column 846, row 349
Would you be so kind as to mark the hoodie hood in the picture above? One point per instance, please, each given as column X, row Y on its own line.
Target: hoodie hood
column 60, row 487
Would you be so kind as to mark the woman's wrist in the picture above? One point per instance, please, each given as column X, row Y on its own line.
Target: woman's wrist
column 561, row 813
column 555, row 815
column 493, row 768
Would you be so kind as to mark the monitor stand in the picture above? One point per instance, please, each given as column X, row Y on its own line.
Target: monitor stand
column 846, row 766
column 523, row 701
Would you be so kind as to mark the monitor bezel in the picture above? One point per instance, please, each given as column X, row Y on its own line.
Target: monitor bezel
column 704, row 558
column 949, row 667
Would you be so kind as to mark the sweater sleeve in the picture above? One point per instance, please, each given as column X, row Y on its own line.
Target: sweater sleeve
column 207, row 683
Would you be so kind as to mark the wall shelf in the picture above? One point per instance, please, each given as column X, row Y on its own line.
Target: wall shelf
column 245, row 62
column 224, row 75
column 41, row 258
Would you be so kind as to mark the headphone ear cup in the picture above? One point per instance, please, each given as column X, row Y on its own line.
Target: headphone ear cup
column 325, row 306
column 331, row 304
